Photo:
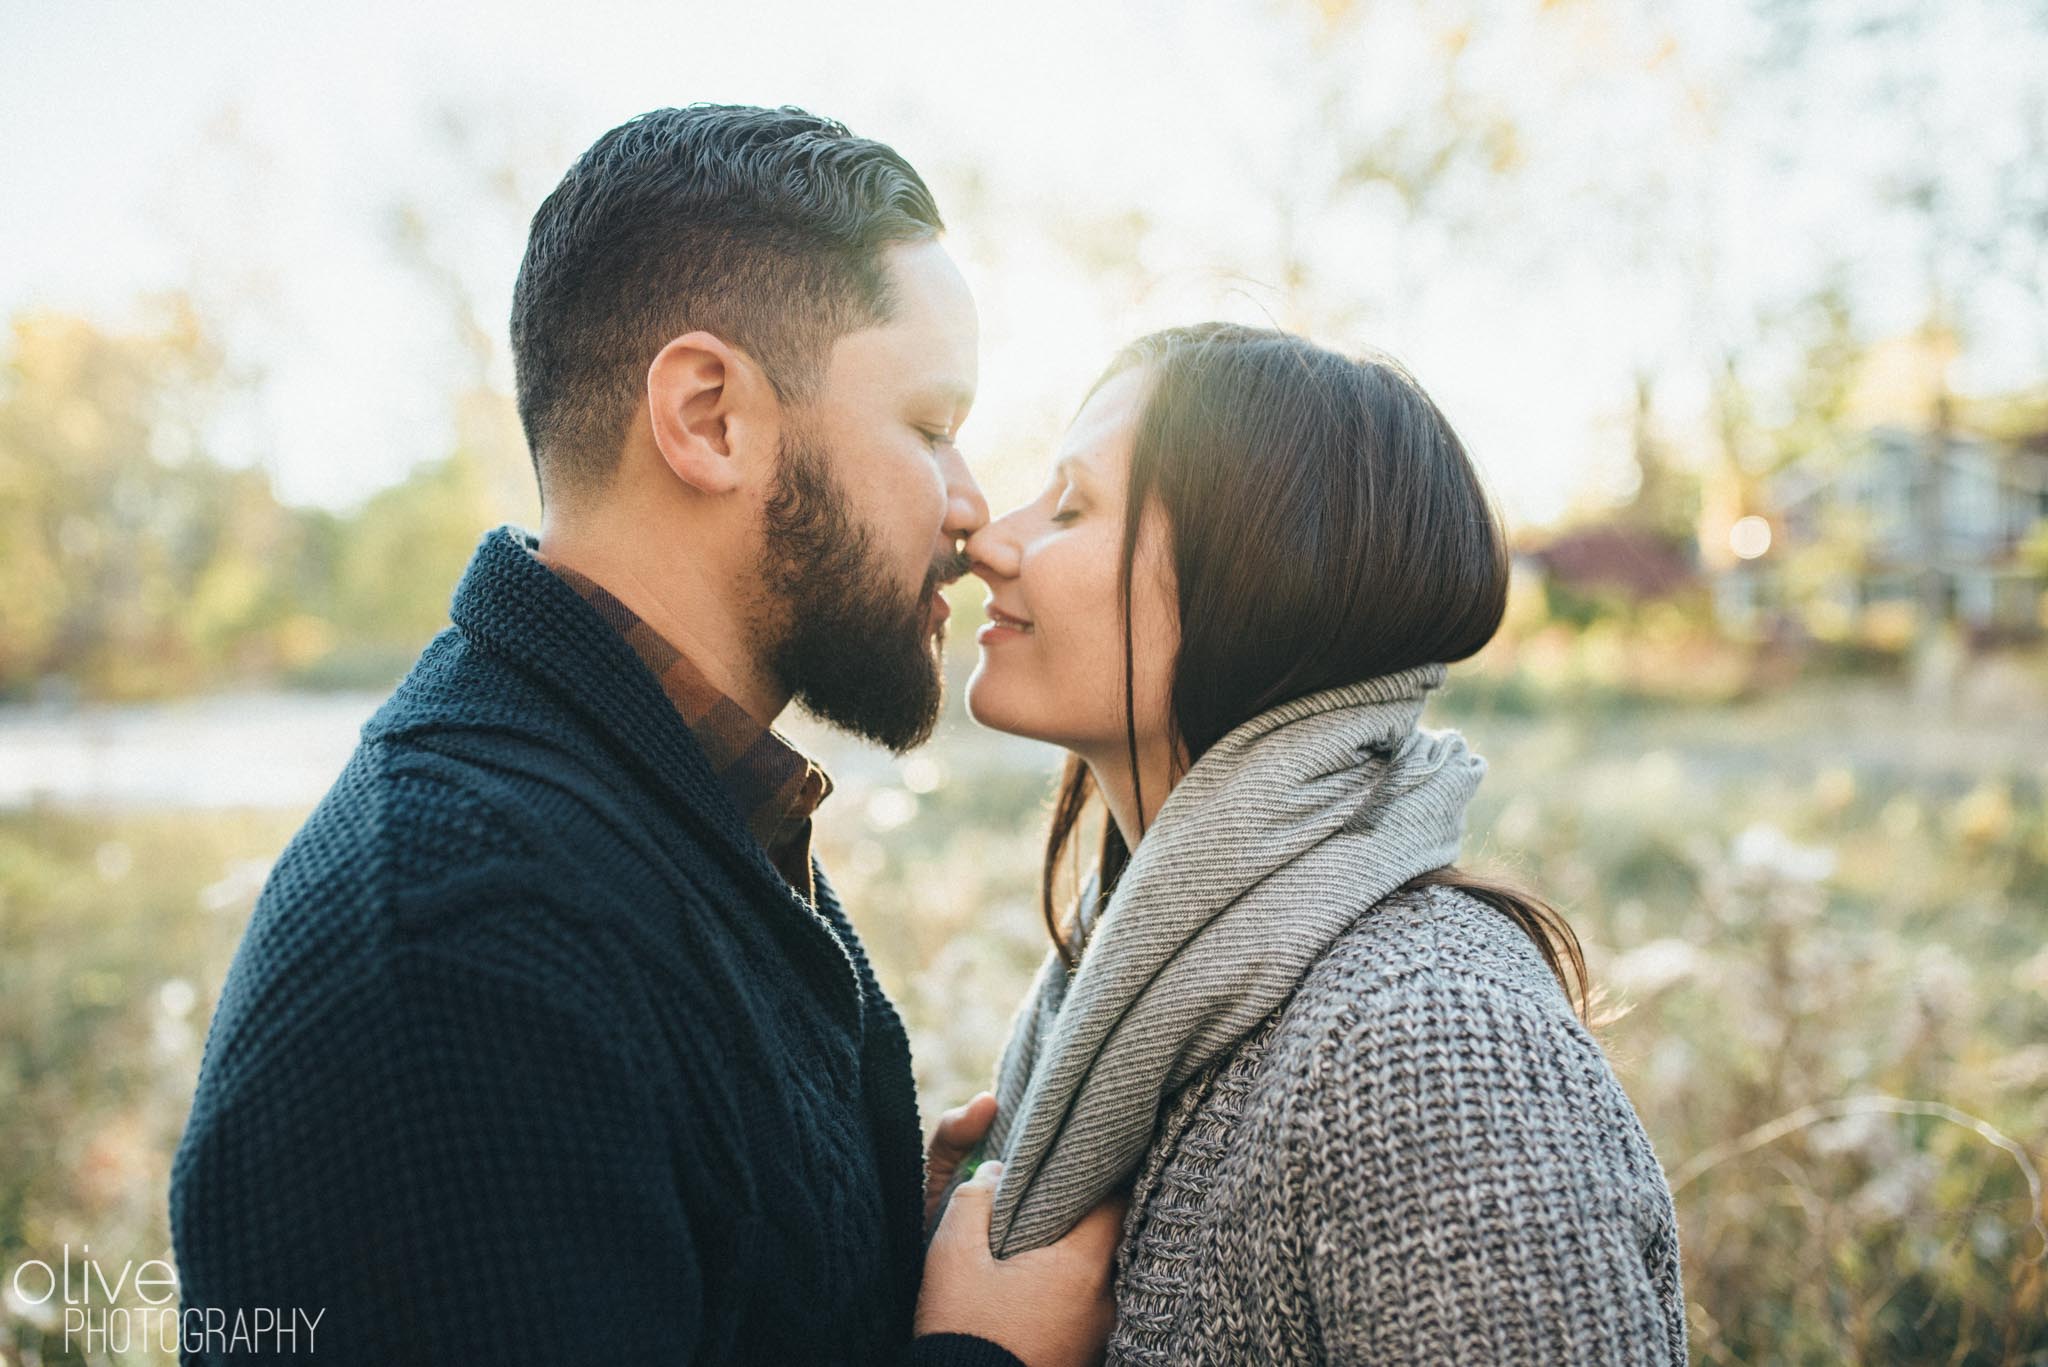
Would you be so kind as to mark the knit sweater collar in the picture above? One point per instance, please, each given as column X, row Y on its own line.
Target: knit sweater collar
column 515, row 607
column 1281, row 835
column 776, row 786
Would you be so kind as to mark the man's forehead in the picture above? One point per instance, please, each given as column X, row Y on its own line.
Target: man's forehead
column 929, row 291
column 928, row 345
column 924, row 273
column 915, row 366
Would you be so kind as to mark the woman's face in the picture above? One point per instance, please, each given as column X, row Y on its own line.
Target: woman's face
column 1052, row 654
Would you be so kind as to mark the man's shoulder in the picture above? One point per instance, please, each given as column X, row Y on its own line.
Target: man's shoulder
column 473, row 763
column 423, row 864
column 471, row 783
column 416, row 814
column 412, row 809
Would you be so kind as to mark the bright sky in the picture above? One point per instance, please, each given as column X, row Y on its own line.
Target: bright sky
column 1042, row 126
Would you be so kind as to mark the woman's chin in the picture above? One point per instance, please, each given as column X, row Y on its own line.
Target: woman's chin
column 990, row 704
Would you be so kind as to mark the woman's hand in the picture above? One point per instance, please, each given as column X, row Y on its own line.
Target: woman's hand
column 1051, row 1307
column 959, row 1130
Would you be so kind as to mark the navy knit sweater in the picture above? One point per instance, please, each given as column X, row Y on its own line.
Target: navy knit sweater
column 529, row 1054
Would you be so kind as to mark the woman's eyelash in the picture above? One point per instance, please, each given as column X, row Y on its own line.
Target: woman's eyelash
column 1065, row 515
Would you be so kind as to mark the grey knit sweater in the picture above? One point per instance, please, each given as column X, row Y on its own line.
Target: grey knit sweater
column 1363, row 1124
column 1422, row 1158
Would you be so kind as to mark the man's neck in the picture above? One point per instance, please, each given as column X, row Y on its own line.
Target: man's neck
column 686, row 602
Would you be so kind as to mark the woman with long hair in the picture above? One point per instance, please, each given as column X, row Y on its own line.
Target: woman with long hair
column 1348, row 1086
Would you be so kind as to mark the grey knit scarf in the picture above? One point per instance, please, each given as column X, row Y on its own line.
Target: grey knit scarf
column 1278, row 839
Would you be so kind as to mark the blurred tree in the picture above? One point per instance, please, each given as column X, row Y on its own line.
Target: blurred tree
column 461, row 233
column 1666, row 502
column 399, row 559
column 1400, row 154
column 130, row 563
column 133, row 564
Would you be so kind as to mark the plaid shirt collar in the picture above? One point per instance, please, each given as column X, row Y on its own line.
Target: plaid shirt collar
column 775, row 787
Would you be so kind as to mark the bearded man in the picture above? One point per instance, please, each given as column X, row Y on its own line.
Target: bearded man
column 548, row 1040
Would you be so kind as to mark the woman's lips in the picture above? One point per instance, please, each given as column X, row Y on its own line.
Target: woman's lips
column 1008, row 619
column 1001, row 626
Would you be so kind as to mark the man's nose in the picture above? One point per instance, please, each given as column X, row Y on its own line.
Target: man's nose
column 992, row 553
column 966, row 509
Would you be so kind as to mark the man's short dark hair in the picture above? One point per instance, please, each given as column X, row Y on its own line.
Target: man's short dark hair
column 762, row 226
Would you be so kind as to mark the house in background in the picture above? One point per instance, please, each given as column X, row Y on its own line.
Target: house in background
column 1843, row 533
column 1608, row 561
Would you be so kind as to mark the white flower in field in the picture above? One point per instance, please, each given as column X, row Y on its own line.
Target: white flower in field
column 1672, row 1067
column 2031, row 974
column 1896, row 1191
column 1941, row 978
column 1989, row 1237
column 889, row 808
column 2024, row 1069
column 1651, row 968
column 176, row 998
column 1764, row 848
column 1867, row 1134
column 923, row 774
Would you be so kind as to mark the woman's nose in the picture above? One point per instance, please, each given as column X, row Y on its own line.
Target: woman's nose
column 992, row 551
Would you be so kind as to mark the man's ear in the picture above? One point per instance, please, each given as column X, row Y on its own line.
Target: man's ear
column 711, row 410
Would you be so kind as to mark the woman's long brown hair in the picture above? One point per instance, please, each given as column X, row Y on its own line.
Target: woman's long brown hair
column 1326, row 527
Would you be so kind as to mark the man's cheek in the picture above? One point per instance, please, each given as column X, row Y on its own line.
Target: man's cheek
column 931, row 519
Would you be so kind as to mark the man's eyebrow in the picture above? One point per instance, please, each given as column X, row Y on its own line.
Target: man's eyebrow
column 950, row 394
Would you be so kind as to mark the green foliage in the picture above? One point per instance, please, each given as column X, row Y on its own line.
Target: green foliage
column 134, row 565
column 115, row 933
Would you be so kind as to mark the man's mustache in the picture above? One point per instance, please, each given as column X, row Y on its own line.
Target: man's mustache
column 946, row 569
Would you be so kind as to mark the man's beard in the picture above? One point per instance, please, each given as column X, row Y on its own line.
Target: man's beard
column 851, row 649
